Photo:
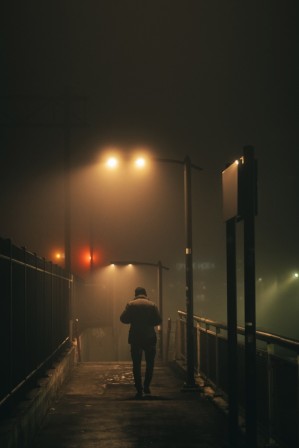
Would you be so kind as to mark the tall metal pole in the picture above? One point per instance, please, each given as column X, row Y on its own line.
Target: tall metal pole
column 189, row 273
column 160, row 298
column 249, row 211
column 232, row 331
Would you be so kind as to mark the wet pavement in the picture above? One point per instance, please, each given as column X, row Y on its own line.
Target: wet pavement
column 97, row 409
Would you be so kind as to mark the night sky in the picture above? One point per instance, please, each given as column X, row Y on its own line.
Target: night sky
column 198, row 78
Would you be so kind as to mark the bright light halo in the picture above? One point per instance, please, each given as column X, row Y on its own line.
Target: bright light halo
column 140, row 162
column 112, row 162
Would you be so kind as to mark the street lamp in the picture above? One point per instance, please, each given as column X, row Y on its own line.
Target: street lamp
column 160, row 268
column 190, row 380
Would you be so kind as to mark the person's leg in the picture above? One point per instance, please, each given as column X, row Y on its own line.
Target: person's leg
column 150, row 353
column 136, row 354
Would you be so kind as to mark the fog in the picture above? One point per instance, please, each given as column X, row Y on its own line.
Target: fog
column 139, row 216
column 201, row 80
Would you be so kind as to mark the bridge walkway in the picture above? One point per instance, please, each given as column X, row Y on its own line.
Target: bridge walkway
column 97, row 408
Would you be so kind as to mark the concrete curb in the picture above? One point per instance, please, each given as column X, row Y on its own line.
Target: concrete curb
column 18, row 431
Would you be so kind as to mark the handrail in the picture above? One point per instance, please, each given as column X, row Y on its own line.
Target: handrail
column 31, row 266
column 212, row 365
column 38, row 368
column 37, row 298
column 289, row 343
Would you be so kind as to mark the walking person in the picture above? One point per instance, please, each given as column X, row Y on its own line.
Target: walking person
column 142, row 315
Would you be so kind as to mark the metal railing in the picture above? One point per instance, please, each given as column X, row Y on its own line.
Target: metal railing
column 35, row 312
column 277, row 373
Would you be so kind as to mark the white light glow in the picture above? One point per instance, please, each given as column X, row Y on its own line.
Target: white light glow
column 112, row 162
column 140, row 162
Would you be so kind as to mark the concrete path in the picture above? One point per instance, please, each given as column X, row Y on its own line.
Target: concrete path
column 97, row 409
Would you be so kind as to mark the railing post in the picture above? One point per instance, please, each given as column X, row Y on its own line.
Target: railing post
column 249, row 211
column 10, row 319
column 270, row 352
column 198, row 346
column 179, row 337
column 27, row 320
column 298, row 399
column 185, row 340
column 176, row 339
column 77, row 336
column 232, row 337
column 208, row 351
column 168, row 338
column 217, row 331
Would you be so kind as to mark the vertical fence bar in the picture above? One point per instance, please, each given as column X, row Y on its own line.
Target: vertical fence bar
column 168, row 339
column 184, row 333
column 208, row 351
column 270, row 352
column 77, row 336
column 10, row 317
column 232, row 330
column 176, row 343
column 217, row 330
column 198, row 347
column 298, row 400
column 26, row 335
column 179, row 338
column 249, row 210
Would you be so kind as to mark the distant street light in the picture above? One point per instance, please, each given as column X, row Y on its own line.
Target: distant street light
column 160, row 267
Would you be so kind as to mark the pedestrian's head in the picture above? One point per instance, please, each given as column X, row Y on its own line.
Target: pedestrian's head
column 139, row 291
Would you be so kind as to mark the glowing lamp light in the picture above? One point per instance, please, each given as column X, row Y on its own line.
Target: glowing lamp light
column 85, row 258
column 57, row 255
column 112, row 162
column 140, row 162
column 296, row 275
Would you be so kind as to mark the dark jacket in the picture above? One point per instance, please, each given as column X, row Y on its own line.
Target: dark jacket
column 143, row 315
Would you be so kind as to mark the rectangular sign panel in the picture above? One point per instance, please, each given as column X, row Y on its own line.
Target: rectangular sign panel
column 230, row 191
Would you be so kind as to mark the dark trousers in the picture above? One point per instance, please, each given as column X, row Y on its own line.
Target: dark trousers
column 149, row 350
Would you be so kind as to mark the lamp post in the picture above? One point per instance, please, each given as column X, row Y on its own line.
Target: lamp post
column 188, row 165
column 160, row 268
column 190, row 380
